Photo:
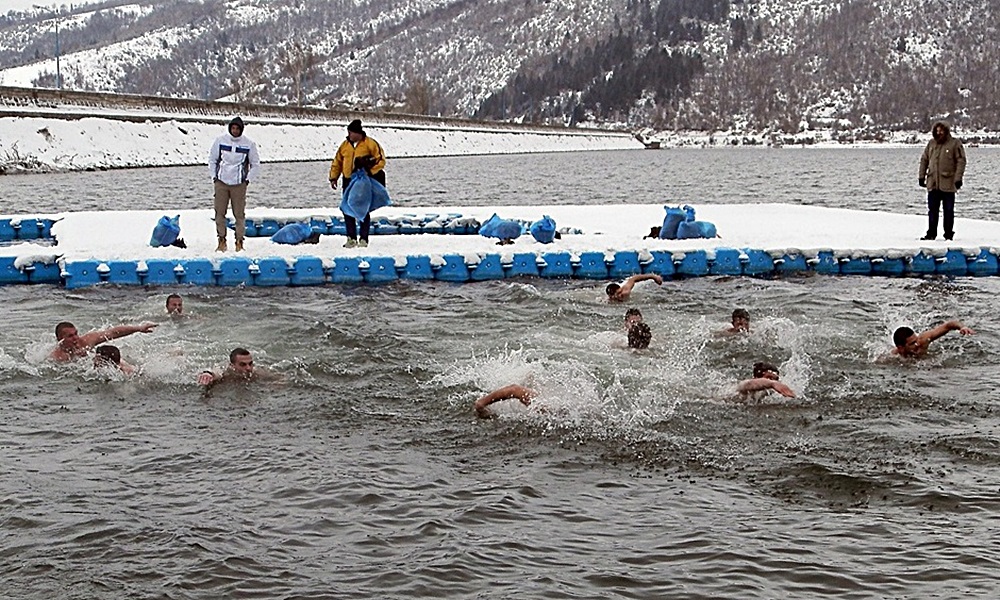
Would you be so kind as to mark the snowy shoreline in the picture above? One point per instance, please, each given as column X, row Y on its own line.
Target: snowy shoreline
column 80, row 142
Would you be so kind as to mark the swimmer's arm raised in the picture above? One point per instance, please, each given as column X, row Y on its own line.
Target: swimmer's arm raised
column 629, row 283
column 112, row 333
column 934, row 333
column 519, row 392
column 762, row 383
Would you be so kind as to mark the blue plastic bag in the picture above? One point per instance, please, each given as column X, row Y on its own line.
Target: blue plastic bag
column 695, row 229
column 166, row 232
column 544, row 231
column 293, row 233
column 363, row 195
column 495, row 227
column 675, row 216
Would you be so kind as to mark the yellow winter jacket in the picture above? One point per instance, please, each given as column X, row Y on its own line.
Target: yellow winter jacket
column 343, row 162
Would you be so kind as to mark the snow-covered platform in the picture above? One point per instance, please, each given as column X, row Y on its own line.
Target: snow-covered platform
column 80, row 249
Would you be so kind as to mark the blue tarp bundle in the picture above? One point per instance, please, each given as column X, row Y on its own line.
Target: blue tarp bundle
column 166, row 232
column 293, row 233
column 695, row 229
column 544, row 231
column 675, row 216
column 495, row 227
column 363, row 195
column 680, row 224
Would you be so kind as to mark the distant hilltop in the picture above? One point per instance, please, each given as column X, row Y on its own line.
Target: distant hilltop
column 57, row 130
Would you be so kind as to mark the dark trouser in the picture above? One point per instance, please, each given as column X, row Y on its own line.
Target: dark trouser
column 366, row 225
column 352, row 227
column 934, row 201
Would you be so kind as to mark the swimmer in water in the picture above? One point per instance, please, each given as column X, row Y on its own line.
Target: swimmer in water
column 910, row 344
column 110, row 357
column 765, row 379
column 621, row 292
column 175, row 305
column 516, row 392
column 240, row 370
column 632, row 315
column 740, row 323
column 70, row 345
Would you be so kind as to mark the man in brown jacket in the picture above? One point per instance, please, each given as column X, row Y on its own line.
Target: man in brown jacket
column 942, row 166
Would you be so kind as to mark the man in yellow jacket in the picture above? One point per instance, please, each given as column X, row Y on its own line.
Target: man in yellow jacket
column 358, row 151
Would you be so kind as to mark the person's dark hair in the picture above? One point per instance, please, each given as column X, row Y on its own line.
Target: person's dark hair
column 612, row 289
column 900, row 336
column 171, row 297
column 109, row 353
column 63, row 327
column 759, row 368
column 633, row 312
column 237, row 352
column 741, row 313
column 639, row 336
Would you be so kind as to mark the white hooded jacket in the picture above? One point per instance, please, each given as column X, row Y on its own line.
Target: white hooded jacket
column 234, row 160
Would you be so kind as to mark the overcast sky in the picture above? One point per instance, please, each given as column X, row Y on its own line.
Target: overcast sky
column 9, row 5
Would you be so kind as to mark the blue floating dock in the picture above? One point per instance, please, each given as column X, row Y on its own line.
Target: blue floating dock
column 9, row 273
column 591, row 265
column 308, row 270
column 691, row 264
column 489, row 267
column 556, row 264
column 624, row 264
column 726, row 262
column 524, row 265
column 347, row 270
column 381, row 269
column 199, row 271
column 418, row 267
column 454, row 269
column 272, row 271
column 81, row 249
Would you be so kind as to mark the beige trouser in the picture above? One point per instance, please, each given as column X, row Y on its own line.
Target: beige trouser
column 224, row 194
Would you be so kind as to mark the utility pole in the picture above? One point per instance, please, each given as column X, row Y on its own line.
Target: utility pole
column 58, row 70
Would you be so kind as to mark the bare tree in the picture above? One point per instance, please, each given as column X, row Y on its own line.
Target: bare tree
column 418, row 97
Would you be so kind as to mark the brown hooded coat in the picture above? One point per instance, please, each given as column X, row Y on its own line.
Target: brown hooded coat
column 942, row 163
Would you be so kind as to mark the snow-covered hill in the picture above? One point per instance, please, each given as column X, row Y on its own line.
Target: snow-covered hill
column 755, row 66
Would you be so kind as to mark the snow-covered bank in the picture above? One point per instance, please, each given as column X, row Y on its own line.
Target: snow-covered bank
column 812, row 138
column 91, row 142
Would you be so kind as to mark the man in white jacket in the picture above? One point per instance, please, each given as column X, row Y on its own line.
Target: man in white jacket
column 233, row 163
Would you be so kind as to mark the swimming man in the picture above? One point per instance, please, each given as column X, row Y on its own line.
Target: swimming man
column 741, row 323
column 910, row 344
column 240, row 369
column 175, row 305
column 110, row 357
column 765, row 378
column 621, row 292
column 71, row 346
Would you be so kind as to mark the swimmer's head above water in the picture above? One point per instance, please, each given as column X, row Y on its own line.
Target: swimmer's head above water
column 765, row 370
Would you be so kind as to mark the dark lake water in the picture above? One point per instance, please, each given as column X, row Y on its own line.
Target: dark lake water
column 365, row 474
